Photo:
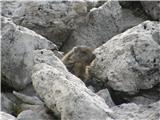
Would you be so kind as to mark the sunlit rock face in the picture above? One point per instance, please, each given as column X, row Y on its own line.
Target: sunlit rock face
column 130, row 61
column 18, row 43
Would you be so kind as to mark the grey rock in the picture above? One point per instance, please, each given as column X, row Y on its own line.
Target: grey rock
column 7, row 105
column 29, row 90
column 52, row 19
column 130, row 61
column 101, row 24
column 28, row 115
column 34, row 111
column 152, row 8
column 18, row 43
column 48, row 57
column 32, row 115
column 141, row 100
column 9, row 7
column 34, row 100
column 106, row 96
column 146, row 97
column 6, row 116
column 40, row 110
column 64, row 93
column 132, row 111
column 36, row 108
column 91, row 88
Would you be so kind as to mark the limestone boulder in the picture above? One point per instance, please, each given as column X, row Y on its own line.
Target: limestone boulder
column 6, row 116
column 63, row 92
column 130, row 61
column 132, row 111
column 18, row 43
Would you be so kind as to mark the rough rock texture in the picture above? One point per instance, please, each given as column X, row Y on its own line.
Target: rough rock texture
column 17, row 46
column 53, row 19
column 9, row 7
column 64, row 93
column 128, row 64
column 6, row 116
column 132, row 111
column 101, row 24
column 130, row 61
column 106, row 96
column 152, row 8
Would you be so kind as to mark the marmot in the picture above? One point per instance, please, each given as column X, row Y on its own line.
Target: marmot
column 77, row 61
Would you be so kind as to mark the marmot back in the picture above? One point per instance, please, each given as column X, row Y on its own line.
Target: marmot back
column 77, row 59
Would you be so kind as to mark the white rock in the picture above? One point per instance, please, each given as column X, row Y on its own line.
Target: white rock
column 18, row 43
column 130, row 61
column 64, row 93
column 6, row 116
column 106, row 96
column 91, row 88
column 102, row 23
column 152, row 8
column 132, row 111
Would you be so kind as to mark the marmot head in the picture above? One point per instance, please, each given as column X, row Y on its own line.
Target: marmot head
column 83, row 54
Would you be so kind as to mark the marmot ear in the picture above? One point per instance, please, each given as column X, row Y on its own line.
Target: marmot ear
column 75, row 49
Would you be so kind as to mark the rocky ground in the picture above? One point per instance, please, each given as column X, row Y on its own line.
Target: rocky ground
column 124, row 79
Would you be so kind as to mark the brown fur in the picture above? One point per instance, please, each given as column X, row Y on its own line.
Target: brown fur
column 77, row 61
